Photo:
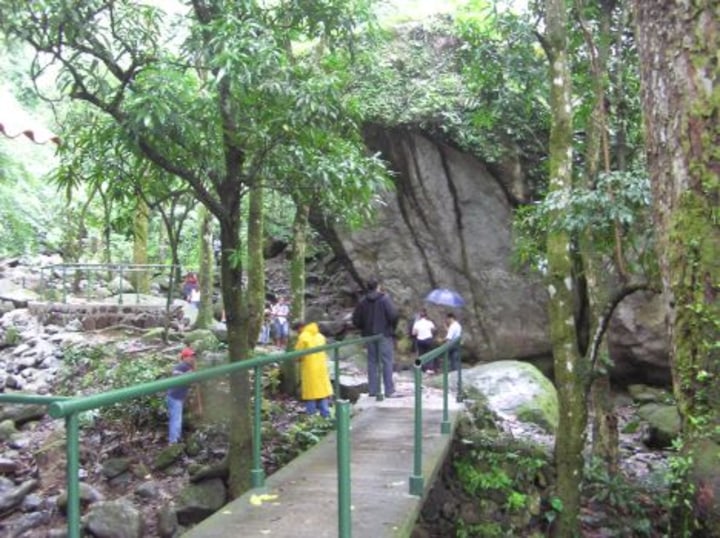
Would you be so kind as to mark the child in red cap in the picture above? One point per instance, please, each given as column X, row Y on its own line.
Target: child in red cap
column 176, row 396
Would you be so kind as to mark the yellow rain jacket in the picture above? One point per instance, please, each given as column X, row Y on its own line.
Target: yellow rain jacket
column 314, row 377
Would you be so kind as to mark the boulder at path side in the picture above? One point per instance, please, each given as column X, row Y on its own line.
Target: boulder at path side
column 198, row 501
column 515, row 389
column 114, row 519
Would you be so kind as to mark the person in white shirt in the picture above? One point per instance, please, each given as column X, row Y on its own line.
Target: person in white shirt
column 454, row 330
column 280, row 312
column 424, row 331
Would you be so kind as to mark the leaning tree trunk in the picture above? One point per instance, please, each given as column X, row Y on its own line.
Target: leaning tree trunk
column 569, row 375
column 678, row 43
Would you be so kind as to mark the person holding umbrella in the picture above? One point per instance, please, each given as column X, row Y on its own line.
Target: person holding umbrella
column 376, row 314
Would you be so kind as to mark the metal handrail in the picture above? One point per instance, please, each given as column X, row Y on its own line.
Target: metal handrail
column 69, row 408
column 417, row 481
column 117, row 267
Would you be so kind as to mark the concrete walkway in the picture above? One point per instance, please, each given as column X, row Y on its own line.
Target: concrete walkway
column 300, row 500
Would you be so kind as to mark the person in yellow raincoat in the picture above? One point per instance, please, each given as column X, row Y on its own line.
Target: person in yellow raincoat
column 315, row 386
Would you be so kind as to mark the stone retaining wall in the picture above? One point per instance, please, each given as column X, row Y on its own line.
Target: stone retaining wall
column 94, row 316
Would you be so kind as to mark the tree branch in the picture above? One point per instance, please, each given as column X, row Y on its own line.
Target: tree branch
column 604, row 320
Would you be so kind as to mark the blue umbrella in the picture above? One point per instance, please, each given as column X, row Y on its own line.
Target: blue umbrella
column 445, row 297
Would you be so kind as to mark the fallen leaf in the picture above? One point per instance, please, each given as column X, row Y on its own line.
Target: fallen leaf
column 257, row 500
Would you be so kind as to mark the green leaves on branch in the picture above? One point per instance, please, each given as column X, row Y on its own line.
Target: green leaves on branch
column 618, row 197
column 477, row 81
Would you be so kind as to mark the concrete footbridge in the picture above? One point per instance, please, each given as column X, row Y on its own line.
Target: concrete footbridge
column 301, row 499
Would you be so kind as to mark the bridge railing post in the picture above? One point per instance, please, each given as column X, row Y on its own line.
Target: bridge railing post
column 342, row 413
column 257, row 472
column 445, row 424
column 72, row 468
column 460, row 396
column 64, row 285
column 336, row 373
column 417, row 483
column 120, row 282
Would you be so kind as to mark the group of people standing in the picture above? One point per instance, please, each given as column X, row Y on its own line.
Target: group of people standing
column 275, row 327
column 375, row 314
column 423, row 333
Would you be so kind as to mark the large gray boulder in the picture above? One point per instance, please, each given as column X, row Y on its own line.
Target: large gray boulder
column 517, row 390
column 114, row 519
column 200, row 500
column 638, row 341
column 448, row 224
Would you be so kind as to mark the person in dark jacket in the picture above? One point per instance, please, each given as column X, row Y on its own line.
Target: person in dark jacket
column 376, row 314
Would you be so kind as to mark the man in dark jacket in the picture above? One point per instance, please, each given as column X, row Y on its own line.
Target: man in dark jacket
column 376, row 314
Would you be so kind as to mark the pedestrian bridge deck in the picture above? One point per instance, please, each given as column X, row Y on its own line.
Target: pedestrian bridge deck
column 301, row 499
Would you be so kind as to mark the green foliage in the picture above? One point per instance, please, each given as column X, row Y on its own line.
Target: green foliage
column 299, row 436
column 12, row 336
column 87, row 370
column 682, row 489
column 29, row 209
column 618, row 197
column 474, row 80
column 489, row 529
column 146, row 411
column 502, row 472
column 621, row 496
column 84, row 367
column 555, row 509
column 216, row 98
column 516, row 501
column 474, row 480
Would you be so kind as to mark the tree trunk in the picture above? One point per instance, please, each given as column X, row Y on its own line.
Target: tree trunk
column 206, row 271
column 290, row 372
column 240, row 452
column 141, row 279
column 605, row 433
column 678, row 44
column 256, row 263
column 569, row 375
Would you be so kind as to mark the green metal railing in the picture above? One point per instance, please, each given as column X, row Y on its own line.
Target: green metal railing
column 90, row 268
column 70, row 409
column 417, row 481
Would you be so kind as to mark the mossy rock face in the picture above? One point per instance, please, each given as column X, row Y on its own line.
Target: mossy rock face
column 516, row 389
column 645, row 393
column 168, row 456
column 664, row 422
column 202, row 340
column 200, row 500
column 154, row 333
